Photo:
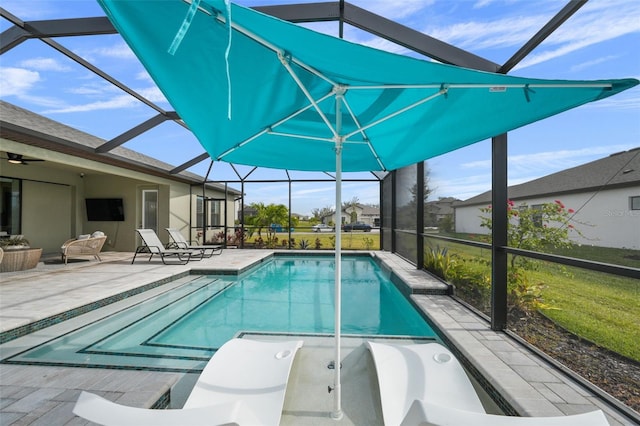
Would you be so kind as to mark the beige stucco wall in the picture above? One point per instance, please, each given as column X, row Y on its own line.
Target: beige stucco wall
column 54, row 192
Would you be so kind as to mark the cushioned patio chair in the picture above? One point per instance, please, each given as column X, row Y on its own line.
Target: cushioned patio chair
column 84, row 245
column 152, row 245
column 424, row 384
column 244, row 383
column 180, row 242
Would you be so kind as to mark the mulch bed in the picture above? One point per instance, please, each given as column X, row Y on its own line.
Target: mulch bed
column 613, row 373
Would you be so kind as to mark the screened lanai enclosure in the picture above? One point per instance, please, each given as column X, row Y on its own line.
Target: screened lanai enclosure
column 558, row 245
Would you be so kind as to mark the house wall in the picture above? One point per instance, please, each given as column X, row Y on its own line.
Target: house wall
column 54, row 192
column 605, row 219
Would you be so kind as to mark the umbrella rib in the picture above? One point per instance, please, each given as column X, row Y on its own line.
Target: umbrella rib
column 364, row 134
column 400, row 111
column 485, row 86
column 302, row 87
column 292, row 135
column 241, row 144
column 301, row 110
column 269, row 129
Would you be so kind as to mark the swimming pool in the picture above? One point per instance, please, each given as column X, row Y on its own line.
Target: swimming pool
column 180, row 328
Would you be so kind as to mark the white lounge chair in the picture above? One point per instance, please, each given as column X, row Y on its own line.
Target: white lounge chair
column 424, row 384
column 180, row 242
column 151, row 244
column 422, row 413
column 426, row 372
column 244, row 383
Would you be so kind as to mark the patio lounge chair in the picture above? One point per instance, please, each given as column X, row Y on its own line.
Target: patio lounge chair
column 424, row 384
column 426, row 372
column 153, row 245
column 179, row 242
column 244, row 383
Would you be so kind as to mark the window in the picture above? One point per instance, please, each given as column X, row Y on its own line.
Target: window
column 537, row 216
column 10, row 205
column 199, row 210
column 214, row 212
column 634, row 203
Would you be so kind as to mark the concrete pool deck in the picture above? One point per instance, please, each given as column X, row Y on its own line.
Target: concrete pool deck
column 46, row 395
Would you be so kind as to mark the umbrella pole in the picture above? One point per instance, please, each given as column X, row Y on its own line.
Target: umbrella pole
column 337, row 387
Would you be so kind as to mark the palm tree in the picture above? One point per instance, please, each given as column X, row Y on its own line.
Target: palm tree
column 266, row 216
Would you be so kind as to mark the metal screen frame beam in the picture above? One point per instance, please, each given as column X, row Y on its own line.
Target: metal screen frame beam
column 499, row 223
column 572, row 7
column 23, row 31
column 136, row 131
column 303, row 12
column 414, row 40
column 420, row 215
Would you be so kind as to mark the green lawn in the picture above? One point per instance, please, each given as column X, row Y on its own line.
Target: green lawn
column 599, row 307
column 350, row 240
column 602, row 308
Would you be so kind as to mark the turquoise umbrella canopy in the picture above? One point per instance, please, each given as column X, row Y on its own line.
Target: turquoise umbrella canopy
column 264, row 93
column 259, row 91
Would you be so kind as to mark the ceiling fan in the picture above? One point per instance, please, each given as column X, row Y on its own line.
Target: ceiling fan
column 19, row 159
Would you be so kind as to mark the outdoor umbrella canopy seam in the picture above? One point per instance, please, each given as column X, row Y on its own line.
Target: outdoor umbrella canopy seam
column 274, row 94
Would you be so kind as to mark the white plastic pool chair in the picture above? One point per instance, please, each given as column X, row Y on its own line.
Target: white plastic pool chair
column 426, row 372
column 180, row 242
column 423, row 413
column 151, row 244
column 244, row 383
column 424, row 384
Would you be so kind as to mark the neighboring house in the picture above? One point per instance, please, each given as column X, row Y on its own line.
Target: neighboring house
column 45, row 200
column 604, row 193
column 436, row 213
column 358, row 213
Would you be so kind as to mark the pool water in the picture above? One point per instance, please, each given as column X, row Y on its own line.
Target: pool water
column 180, row 329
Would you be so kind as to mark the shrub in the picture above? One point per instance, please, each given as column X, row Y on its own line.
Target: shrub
column 304, row 244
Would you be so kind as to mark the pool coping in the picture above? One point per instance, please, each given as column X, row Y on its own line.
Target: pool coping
column 495, row 359
column 519, row 380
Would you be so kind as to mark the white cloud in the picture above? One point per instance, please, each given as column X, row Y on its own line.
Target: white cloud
column 461, row 188
column 304, row 192
column 44, row 64
column 556, row 160
column 504, row 32
column 118, row 102
column 589, row 64
column 119, row 51
column 622, row 102
column 395, row 10
column 17, row 81
column 595, row 23
column 94, row 88
column 153, row 94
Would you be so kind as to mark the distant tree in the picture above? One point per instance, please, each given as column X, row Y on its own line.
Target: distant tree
column 266, row 216
column 351, row 205
column 427, row 190
column 318, row 214
column 406, row 213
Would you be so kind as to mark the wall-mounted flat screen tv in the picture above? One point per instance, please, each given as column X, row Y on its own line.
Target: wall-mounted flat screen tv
column 105, row 209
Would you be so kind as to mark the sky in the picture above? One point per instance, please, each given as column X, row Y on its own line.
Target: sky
column 601, row 41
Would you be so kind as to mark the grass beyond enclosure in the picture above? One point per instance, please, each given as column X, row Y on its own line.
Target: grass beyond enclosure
column 598, row 307
column 350, row 240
